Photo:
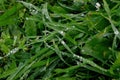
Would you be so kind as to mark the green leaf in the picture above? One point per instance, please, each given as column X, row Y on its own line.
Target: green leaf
column 7, row 73
column 65, row 78
column 7, row 17
column 106, row 7
column 97, row 47
column 116, row 64
column 11, row 12
column 57, row 9
column 30, row 28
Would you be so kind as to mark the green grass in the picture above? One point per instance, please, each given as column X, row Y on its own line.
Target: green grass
column 59, row 40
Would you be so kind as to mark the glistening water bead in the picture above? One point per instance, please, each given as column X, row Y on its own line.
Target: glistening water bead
column 27, row 18
column 116, row 32
column 62, row 33
column 34, row 12
column 97, row 5
column 83, row 50
column 82, row 15
column 63, row 42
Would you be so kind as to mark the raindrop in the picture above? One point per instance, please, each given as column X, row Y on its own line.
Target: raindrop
column 82, row 15
column 89, row 39
column 74, row 55
column 73, row 26
column 47, row 17
column 67, row 29
column 1, row 58
column 78, row 63
column 83, row 50
column 97, row 5
column 62, row 33
column 116, row 32
column 30, row 10
column 63, row 42
column 14, row 50
column 118, row 69
column 81, row 59
column 77, row 56
column 34, row 12
column 27, row 18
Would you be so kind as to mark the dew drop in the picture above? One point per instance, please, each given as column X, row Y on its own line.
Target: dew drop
column 67, row 29
column 1, row 58
column 27, row 18
column 78, row 63
column 14, row 50
column 74, row 55
column 30, row 10
column 62, row 33
column 118, row 69
column 81, row 59
column 82, row 15
column 83, row 50
column 63, row 42
column 34, row 12
column 116, row 32
column 89, row 39
column 73, row 26
column 97, row 5
column 47, row 17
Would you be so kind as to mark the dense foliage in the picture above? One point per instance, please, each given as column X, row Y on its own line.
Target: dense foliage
column 59, row 40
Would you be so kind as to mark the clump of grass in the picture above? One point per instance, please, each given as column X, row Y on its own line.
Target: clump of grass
column 71, row 40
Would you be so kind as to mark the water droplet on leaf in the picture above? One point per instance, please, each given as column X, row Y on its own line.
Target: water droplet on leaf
column 116, row 32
